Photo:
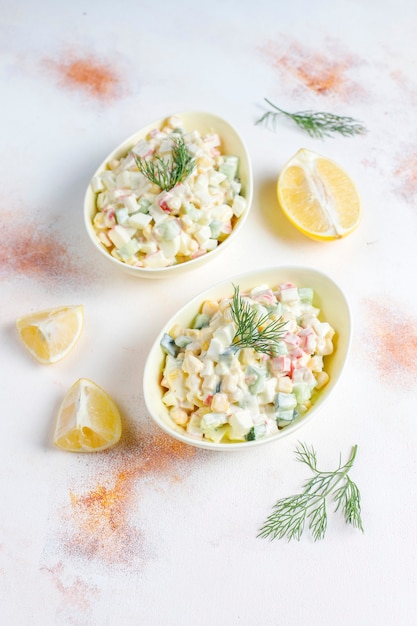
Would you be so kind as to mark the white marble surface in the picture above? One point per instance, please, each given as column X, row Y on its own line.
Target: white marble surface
column 153, row 533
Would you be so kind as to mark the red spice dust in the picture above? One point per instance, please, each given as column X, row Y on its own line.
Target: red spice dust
column 75, row 593
column 100, row 523
column 392, row 343
column 404, row 87
column 324, row 74
column 96, row 78
column 406, row 178
column 29, row 248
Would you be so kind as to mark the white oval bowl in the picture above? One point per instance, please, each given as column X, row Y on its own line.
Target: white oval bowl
column 334, row 308
column 232, row 143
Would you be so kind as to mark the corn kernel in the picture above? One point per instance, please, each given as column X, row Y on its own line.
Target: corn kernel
column 210, row 307
column 322, row 379
column 179, row 416
column 220, row 403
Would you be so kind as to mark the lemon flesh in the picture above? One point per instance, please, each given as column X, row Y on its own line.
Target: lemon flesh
column 318, row 196
column 88, row 419
column 51, row 334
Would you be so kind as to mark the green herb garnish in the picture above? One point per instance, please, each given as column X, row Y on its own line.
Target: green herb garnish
column 291, row 514
column 316, row 124
column 251, row 436
column 253, row 330
column 166, row 173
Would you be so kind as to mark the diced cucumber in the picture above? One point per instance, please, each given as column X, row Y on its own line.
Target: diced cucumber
column 143, row 205
column 168, row 345
column 210, row 421
column 306, row 294
column 284, row 417
column 169, row 229
column 139, row 220
column 128, row 249
column 230, row 167
column 215, row 228
column 302, row 392
column 183, row 341
column 200, row 321
column 256, row 432
column 250, row 436
column 255, row 379
column 285, row 401
column 191, row 211
column 122, row 215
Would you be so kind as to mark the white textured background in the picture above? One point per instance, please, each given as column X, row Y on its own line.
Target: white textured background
column 151, row 532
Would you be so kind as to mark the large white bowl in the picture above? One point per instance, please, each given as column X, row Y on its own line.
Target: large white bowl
column 334, row 309
column 232, row 143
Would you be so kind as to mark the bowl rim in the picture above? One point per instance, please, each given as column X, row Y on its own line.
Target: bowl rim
column 127, row 144
column 149, row 369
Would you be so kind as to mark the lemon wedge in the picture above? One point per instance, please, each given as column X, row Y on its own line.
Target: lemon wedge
column 88, row 419
column 318, row 196
column 50, row 335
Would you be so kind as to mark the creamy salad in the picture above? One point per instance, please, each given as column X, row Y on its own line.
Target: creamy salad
column 145, row 226
column 223, row 393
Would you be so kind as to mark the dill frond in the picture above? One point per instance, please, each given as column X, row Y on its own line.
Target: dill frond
column 317, row 124
column 291, row 514
column 254, row 331
column 166, row 173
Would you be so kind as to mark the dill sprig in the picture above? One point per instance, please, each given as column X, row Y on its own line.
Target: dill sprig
column 292, row 513
column 166, row 173
column 316, row 124
column 253, row 330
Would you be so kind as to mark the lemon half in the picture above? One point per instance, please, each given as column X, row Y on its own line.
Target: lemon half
column 318, row 196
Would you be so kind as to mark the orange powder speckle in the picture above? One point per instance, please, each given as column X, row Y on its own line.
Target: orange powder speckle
column 392, row 344
column 323, row 74
column 405, row 87
column 96, row 78
column 29, row 248
column 406, row 178
column 103, row 522
column 76, row 593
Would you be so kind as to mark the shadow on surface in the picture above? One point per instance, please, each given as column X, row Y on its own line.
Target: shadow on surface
column 271, row 213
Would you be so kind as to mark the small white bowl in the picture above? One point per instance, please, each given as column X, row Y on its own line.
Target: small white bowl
column 232, row 143
column 334, row 308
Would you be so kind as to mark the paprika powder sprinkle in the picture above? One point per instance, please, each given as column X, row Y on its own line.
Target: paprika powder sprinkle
column 76, row 593
column 406, row 178
column 392, row 342
column 96, row 78
column 321, row 73
column 103, row 521
column 32, row 249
